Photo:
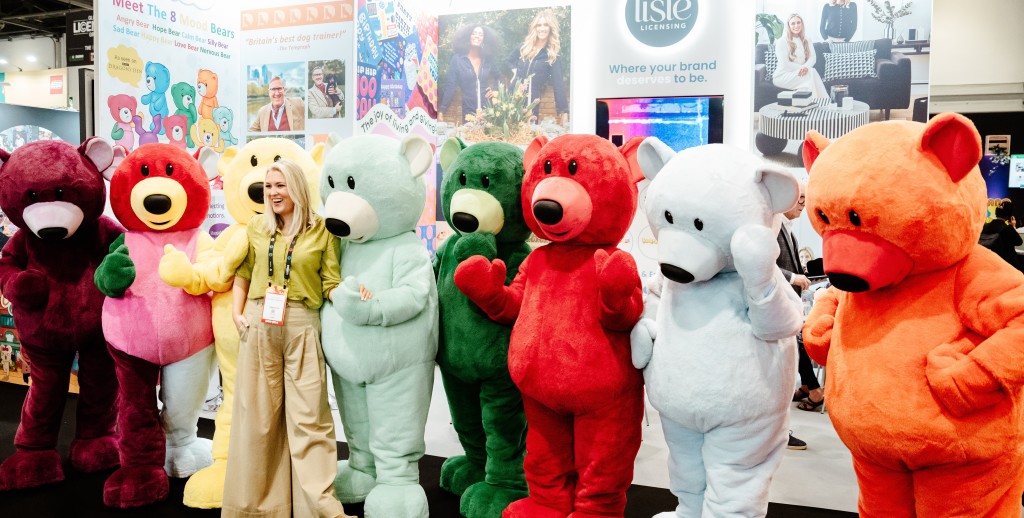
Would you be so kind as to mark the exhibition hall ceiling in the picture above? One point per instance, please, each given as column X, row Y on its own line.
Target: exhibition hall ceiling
column 41, row 18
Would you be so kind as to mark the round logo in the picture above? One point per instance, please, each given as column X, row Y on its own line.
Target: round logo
column 660, row 23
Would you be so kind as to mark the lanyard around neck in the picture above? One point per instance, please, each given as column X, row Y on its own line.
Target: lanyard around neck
column 287, row 261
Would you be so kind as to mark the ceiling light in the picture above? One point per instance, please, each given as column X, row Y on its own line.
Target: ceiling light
column 30, row 59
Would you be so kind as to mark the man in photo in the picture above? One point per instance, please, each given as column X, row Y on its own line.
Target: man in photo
column 282, row 114
column 325, row 99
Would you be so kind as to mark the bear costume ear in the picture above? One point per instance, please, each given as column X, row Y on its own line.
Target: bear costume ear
column 783, row 188
column 208, row 161
column 954, row 140
column 418, row 152
column 450, row 150
column 4, row 157
column 652, row 155
column 532, row 151
column 226, row 157
column 332, row 140
column 105, row 157
column 628, row 150
column 814, row 144
column 318, row 153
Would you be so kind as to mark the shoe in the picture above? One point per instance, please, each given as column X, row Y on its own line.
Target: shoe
column 810, row 406
column 796, row 444
column 800, row 394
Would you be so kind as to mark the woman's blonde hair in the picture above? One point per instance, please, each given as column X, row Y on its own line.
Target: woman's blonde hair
column 303, row 217
column 554, row 43
column 803, row 38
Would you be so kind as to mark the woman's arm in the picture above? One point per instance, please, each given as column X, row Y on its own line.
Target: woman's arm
column 239, row 292
column 558, row 85
column 812, row 56
column 451, row 84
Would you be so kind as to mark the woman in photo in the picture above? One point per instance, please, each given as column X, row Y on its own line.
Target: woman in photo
column 538, row 57
column 796, row 60
column 282, row 457
column 838, row 20
column 472, row 70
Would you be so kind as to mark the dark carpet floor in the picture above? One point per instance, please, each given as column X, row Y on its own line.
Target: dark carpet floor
column 81, row 495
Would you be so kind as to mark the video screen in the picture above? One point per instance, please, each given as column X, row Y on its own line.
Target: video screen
column 679, row 122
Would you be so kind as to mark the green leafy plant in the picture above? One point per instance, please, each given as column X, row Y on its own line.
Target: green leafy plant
column 887, row 14
column 772, row 26
column 997, row 156
column 509, row 110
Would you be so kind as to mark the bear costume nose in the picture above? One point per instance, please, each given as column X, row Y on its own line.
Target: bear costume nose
column 157, row 203
column 53, row 233
column 337, row 227
column 465, row 222
column 675, row 273
column 256, row 192
column 847, row 282
column 547, row 211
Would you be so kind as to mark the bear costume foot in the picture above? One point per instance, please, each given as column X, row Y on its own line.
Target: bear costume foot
column 184, row 461
column 528, row 508
column 483, row 500
column 205, row 489
column 407, row 501
column 30, row 468
column 135, row 486
column 91, row 455
column 352, row 486
column 458, row 473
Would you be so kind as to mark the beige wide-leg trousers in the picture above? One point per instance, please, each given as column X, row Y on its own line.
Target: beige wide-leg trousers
column 282, row 456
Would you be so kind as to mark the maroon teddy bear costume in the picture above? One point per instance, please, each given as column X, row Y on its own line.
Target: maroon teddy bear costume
column 55, row 195
column 574, row 302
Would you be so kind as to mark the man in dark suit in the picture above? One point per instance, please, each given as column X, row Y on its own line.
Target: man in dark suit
column 789, row 249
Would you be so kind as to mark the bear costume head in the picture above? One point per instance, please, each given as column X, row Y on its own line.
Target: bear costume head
column 481, row 189
column 580, row 189
column 874, row 233
column 160, row 187
column 371, row 185
column 243, row 170
column 49, row 187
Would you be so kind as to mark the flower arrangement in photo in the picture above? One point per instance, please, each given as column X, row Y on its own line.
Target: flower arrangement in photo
column 997, row 155
column 508, row 113
column 887, row 14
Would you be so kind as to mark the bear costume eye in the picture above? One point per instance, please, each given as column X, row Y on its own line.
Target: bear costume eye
column 170, row 169
column 253, row 161
column 462, row 178
column 823, row 216
column 32, row 196
column 668, row 217
column 277, row 157
column 854, row 218
column 698, row 224
column 572, row 167
column 145, row 170
column 330, row 181
column 351, row 183
column 486, row 181
column 60, row 194
column 547, row 167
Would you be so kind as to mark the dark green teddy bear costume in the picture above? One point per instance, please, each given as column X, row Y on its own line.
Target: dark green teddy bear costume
column 480, row 200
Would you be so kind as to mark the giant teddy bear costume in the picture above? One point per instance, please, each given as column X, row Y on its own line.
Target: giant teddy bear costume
column 923, row 330
column 243, row 170
column 55, row 194
column 481, row 201
column 573, row 302
column 161, row 195
column 723, row 311
column 381, row 351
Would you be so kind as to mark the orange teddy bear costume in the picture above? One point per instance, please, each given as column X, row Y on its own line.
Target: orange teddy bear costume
column 924, row 337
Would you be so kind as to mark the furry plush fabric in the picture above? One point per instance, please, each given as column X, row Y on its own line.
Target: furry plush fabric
column 722, row 310
column 573, row 303
column 161, row 195
column 381, row 351
column 481, row 201
column 54, row 194
column 923, row 329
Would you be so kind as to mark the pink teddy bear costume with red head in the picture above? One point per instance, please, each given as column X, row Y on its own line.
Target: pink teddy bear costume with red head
column 574, row 302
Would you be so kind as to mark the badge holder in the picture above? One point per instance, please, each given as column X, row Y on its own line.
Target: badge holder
column 275, row 300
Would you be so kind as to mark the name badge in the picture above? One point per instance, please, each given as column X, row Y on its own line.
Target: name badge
column 275, row 301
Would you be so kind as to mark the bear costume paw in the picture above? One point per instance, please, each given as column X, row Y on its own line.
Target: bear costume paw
column 528, row 508
column 28, row 468
column 205, row 489
column 29, row 290
column 959, row 383
column 91, row 455
column 183, row 461
column 483, row 500
column 458, row 473
column 409, row 501
column 135, row 486
column 617, row 275
column 352, row 486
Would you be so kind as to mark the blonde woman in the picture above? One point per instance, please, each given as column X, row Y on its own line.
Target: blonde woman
column 538, row 56
column 796, row 60
column 282, row 457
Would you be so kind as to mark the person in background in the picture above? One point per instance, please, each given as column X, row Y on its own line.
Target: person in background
column 325, row 101
column 282, row 457
column 838, row 21
column 472, row 70
column 1000, row 235
column 796, row 60
column 538, row 57
column 282, row 113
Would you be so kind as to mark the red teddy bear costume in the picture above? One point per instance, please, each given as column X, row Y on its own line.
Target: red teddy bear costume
column 55, row 194
column 574, row 302
column 925, row 341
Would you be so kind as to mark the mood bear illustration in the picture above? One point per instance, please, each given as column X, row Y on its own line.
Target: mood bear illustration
column 158, row 80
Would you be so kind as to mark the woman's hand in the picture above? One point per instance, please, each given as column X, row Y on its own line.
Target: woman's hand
column 802, row 72
column 240, row 322
column 364, row 293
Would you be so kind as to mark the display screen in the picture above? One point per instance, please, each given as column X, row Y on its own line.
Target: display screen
column 1017, row 171
column 679, row 122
